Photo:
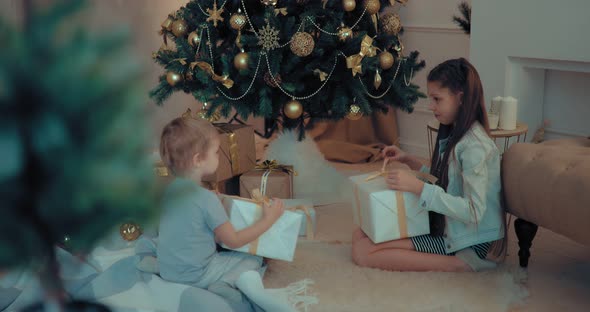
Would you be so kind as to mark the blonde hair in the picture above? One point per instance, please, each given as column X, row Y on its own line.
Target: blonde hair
column 181, row 139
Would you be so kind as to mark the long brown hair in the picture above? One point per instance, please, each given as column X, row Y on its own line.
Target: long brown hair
column 458, row 75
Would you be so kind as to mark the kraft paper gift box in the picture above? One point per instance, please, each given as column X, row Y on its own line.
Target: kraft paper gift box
column 273, row 179
column 384, row 214
column 237, row 153
column 305, row 208
column 278, row 242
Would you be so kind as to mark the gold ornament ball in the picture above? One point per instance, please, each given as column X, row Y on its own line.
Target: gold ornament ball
column 194, row 39
column 391, row 23
column 237, row 21
column 129, row 231
column 386, row 60
column 173, row 78
column 344, row 33
column 372, row 6
column 269, row 2
column 302, row 44
column 354, row 113
column 179, row 28
column 349, row 5
column 241, row 61
column 293, row 109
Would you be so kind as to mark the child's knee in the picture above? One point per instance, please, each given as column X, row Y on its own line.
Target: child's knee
column 252, row 262
column 359, row 254
column 358, row 234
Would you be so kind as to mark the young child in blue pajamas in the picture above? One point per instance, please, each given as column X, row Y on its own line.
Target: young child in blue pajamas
column 464, row 207
column 193, row 220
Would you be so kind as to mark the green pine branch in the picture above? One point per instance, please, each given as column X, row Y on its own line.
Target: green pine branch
column 464, row 21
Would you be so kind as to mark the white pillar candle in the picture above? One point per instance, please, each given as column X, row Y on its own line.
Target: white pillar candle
column 496, row 105
column 508, row 113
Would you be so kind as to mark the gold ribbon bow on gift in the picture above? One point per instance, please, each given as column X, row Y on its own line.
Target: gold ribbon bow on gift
column 274, row 165
column 367, row 49
column 224, row 80
column 269, row 166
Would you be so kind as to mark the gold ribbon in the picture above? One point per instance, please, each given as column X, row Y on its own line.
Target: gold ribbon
column 309, row 225
column 367, row 48
column 401, row 214
column 228, row 83
column 354, row 61
column 257, row 199
column 323, row 75
column 180, row 60
column 273, row 165
column 282, row 11
column 399, row 198
column 418, row 174
column 166, row 27
column 234, row 153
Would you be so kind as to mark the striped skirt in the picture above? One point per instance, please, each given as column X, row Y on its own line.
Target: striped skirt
column 436, row 245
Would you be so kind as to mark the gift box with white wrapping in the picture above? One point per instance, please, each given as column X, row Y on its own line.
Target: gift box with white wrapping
column 278, row 242
column 305, row 208
column 384, row 214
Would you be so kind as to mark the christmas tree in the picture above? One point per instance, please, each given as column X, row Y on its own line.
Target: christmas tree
column 71, row 139
column 292, row 62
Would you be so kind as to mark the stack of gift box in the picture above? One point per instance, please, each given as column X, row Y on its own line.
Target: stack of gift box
column 238, row 176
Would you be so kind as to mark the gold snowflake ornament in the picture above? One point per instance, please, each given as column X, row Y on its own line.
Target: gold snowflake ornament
column 268, row 37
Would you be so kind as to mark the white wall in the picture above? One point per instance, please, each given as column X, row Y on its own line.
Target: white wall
column 513, row 43
column 430, row 30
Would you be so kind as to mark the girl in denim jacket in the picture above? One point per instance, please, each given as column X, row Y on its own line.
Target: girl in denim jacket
column 464, row 206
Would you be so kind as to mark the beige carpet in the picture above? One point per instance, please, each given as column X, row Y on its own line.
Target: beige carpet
column 342, row 286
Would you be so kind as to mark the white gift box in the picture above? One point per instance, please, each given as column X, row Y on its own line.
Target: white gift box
column 305, row 208
column 385, row 214
column 278, row 242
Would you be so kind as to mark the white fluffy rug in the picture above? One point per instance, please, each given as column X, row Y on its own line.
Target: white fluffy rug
column 340, row 285
column 316, row 178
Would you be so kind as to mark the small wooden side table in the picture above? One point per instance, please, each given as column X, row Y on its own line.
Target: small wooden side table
column 521, row 130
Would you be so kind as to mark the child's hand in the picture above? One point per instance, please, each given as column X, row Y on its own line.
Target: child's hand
column 274, row 210
column 403, row 180
column 394, row 153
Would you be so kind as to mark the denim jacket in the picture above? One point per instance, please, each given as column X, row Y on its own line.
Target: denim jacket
column 471, row 203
